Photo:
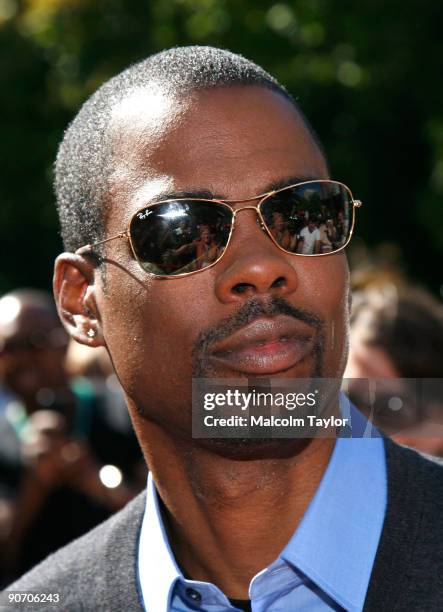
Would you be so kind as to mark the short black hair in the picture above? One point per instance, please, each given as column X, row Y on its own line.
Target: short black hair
column 84, row 160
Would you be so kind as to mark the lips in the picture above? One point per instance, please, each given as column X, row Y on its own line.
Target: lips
column 266, row 346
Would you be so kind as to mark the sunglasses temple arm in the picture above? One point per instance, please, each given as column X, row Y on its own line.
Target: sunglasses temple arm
column 89, row 247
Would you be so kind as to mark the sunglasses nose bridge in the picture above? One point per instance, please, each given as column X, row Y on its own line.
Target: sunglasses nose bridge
column 250, row 207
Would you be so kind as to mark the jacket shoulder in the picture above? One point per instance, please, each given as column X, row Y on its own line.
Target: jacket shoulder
column 95, row 572
column 412, row 536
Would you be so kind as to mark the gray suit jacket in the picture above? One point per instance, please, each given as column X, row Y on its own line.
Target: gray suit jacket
column 98, row 573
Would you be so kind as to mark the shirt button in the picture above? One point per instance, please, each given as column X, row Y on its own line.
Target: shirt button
column 194, row 595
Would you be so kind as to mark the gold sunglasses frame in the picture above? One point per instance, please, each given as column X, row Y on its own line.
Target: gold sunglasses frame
column 227, row 203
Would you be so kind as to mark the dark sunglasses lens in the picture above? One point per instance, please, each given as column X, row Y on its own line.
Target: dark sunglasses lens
column 180, row 236
column 310, row 219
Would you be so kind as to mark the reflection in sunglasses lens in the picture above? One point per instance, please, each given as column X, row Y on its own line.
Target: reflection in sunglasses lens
column 310, row 219
column 180, row 236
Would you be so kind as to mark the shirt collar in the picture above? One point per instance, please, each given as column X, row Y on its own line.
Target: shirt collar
column 335, row 544
column 157, row 569
column 337, row 540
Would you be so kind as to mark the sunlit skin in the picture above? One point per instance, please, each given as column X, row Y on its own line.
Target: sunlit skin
column 221, row 504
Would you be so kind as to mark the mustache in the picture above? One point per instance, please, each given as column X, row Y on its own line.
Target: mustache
column 251, row 310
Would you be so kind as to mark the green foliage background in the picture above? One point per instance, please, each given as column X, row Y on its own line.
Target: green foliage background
column 367, row 73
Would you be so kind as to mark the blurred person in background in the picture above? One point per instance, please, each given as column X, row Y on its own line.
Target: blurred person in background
column 91, row 369
column 65, row 463
column 397, row 333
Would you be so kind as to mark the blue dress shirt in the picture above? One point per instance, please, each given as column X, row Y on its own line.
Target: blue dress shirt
column 326, row 564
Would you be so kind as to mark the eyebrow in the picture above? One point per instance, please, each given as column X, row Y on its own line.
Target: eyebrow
column 207, row 194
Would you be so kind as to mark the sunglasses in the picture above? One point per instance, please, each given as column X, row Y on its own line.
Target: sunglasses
column 183, row 236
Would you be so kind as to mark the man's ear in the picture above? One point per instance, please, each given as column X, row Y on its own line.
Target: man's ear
column 74, row 293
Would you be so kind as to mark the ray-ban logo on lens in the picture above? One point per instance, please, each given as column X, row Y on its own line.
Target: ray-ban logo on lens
column 144, row 214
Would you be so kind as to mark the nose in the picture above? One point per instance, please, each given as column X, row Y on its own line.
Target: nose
column 253, row 265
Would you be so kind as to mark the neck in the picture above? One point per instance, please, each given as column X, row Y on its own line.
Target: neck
column 230, row 515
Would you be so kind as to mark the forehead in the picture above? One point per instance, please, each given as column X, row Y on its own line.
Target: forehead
column 232, row 141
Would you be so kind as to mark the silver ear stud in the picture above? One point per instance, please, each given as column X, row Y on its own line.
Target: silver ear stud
column 91, row 332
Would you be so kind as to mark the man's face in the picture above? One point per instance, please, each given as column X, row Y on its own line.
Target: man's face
column 311, row 226
column 205, row 235
column 278, row 222
column 233, row 142
column 32, row 350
